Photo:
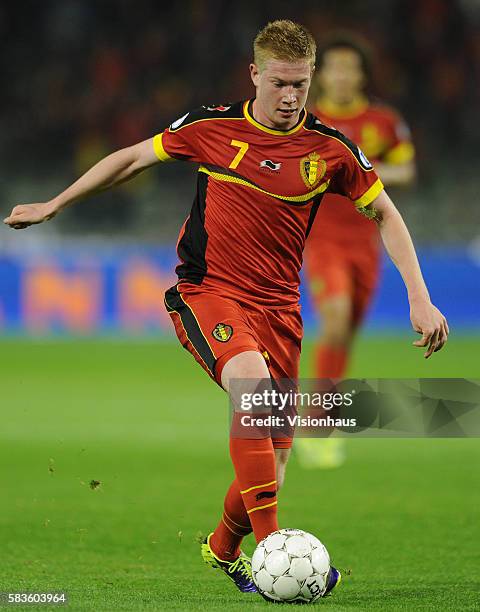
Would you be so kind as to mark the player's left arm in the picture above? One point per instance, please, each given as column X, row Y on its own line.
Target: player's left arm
column 425, row 317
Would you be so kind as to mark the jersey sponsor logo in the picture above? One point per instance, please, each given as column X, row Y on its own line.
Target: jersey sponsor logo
column 220, row 107
column 312, row 169
column 222, row 332
column 178, row 122
column 363, row 160
column 270, row 165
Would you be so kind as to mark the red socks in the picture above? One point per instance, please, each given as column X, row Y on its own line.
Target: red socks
column 233, row 526
column 330, row 361
column 254, row 463
column 251, row 501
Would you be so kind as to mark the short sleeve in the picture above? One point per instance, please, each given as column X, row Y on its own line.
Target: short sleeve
column 356, row 179
column 180, row 140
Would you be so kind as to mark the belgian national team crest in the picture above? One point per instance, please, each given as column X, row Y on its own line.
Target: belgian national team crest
column 312, row 169
column 222, row 332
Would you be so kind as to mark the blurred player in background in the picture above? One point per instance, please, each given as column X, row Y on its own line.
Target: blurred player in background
column 342, row 254
column 265, row 164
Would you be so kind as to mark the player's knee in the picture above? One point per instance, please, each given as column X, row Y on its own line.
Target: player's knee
column 337, row 321
column 338, row 335
column 246, row 366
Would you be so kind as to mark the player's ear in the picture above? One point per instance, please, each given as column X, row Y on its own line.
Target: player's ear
column 255, row 74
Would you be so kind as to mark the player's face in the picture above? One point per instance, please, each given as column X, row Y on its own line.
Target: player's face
column 341, row 76
column 282, row 89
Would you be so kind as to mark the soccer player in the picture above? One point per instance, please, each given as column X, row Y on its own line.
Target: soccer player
column 265, row 164
column 342, row 254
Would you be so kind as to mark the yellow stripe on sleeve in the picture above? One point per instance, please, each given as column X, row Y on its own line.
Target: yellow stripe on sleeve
column 370, row 194
column 159, row 150
column 401, row 154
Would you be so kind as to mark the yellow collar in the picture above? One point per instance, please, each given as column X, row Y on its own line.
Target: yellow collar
column 250, row 119
column 342, row 111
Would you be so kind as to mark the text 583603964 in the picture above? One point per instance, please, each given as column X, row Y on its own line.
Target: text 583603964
column 33, row 598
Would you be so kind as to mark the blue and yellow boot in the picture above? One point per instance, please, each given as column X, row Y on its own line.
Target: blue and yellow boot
column 240, row 570
column 333, row 580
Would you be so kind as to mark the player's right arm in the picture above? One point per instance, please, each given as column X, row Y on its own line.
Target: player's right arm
column 112, row 170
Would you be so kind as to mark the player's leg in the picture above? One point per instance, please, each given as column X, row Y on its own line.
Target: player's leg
column 236, row 520
column 335, row 306
column 342, row 289
column 221, row 339
column 213, row 329
column 281, row 332
column 342, row 292
column 367, row 276
column 250, row 503
column 332, row 288
column 251, row 448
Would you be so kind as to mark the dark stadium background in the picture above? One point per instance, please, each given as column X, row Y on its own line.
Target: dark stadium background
column 95, row 388
column 81, row 79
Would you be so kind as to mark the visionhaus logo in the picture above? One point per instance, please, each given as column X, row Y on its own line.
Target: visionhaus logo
column 437, row 408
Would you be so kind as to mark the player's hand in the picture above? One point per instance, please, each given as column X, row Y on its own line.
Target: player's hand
column 430, row 322
column 29, row 214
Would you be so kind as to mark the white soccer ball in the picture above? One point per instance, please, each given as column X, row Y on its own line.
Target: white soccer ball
column 291, row 566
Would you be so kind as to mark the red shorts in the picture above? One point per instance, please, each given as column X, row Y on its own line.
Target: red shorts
column 334, row 270
column 214, row 329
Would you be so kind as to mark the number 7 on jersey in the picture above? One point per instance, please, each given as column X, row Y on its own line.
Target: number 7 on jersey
column 243, row 148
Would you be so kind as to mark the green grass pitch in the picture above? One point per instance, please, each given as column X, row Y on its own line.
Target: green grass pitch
column 147, row 423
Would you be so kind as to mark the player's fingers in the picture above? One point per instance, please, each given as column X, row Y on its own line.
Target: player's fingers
column 432, row 344
column 16, row 210
column 14, row 216
column 20, row 218
column 11, row 217
column 424, row 340
column 442, row 338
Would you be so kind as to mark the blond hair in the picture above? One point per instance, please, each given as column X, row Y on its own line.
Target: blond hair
column 284, row 40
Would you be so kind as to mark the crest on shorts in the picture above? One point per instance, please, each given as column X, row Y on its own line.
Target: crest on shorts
column 222, row 332
column 312, row 169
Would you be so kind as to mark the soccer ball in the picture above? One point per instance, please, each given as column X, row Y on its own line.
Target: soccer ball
column 291, row 566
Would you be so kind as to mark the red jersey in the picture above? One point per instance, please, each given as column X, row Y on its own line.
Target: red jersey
column 383, row 136
column 258, row 191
